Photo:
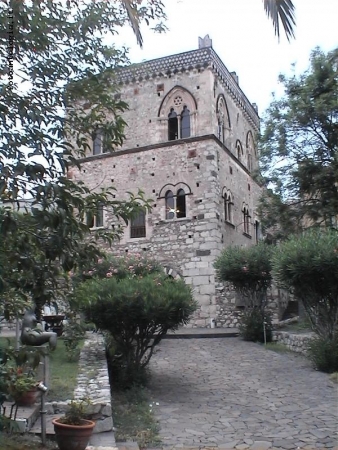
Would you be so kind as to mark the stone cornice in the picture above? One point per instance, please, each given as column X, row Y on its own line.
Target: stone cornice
column 202, row 58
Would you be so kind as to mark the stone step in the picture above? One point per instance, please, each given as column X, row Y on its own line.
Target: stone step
column 36, row 428
column 25, row 416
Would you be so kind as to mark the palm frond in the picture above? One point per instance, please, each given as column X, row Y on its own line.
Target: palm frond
column 281, row 11
column 133, row 19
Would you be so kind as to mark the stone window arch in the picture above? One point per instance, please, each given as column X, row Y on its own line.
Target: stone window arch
column 239, row 150
column 175, row 200
column 246, row 219
column 228, row 205
column 178, row 105
column 223, row 120
column 250, row 150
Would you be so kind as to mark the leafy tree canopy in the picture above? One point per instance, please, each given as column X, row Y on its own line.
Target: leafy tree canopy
column 61, row 53
column 299, row 150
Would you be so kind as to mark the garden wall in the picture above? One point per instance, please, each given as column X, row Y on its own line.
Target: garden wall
column 92, row 384
column 295, row 342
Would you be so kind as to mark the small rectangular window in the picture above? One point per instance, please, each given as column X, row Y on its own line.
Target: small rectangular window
column 138, row 225
column 95, row 220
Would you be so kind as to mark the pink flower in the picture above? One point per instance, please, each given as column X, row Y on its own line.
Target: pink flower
column 90, row 272
column 109, row 274
column 100, row 261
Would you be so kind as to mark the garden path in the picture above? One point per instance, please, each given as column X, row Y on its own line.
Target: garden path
column 227, row 393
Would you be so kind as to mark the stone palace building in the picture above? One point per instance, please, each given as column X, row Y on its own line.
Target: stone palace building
column 190, row 146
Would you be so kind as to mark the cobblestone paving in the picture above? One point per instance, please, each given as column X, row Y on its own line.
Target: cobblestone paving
column 227, row 393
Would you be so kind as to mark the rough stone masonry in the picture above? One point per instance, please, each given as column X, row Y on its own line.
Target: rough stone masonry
column 190, row 146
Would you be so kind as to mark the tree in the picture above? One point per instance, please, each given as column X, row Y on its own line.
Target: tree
column 308, row 266
column 63, row 55
column 281, row 11
column 249, row 271
column 137, row 304
column 299, row 150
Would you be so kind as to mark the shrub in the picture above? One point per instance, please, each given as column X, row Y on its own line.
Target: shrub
column 249, row 270
column 308, row 266
column 118, row 267
column 137, row 312
column 251, row 326
column 72, row 335
column 323, row 352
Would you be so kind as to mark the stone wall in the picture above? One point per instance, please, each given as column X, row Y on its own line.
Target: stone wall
column 206, row 165
column 295, row 342
column 92, row 385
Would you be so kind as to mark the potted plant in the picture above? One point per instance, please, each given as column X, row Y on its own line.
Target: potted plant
column 73, row 430
column 22, row 387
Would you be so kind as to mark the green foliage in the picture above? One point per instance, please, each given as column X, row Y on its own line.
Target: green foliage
column 76, row 412
column 248, row 269
column 299, row 148
column 308, row 266
column 119, row 267
column 40, row 141
column 134, row 419
column 323, row 352
column 73, row 334
column 137, row 312
column 251, row 326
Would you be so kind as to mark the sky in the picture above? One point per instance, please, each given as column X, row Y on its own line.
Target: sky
column 243, row 37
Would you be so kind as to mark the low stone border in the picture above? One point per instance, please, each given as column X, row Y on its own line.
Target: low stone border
column 295, row 342
column 92, row 385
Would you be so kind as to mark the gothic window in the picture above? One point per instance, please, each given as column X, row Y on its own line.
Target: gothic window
column 250, row 150
column 246, row 220
column 172, row 125
column 98, row 142
column 175, row 204
column 177, row 114
column 250, row 162
column 170, row 205
column 138, row 225
column 223, row 122
column 257, row 231
column 180, row 204
column 95, row 220
column 239, row 150
column 228, row 207
column 185, row 123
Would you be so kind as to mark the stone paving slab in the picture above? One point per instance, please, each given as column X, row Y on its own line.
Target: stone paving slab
column 231, row 394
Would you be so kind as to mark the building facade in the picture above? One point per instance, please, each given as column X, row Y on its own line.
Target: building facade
column 190, row 146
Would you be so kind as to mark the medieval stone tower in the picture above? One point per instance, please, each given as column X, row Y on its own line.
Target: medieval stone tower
column 190, row 146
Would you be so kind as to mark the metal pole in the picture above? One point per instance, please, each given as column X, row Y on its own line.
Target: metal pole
column 43, row 411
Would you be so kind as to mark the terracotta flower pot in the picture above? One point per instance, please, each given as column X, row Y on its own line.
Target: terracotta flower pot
column 73, row 437
column 28, row 398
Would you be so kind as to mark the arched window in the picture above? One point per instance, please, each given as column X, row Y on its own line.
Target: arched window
column 175, row 205
column 170, row 205
column 246, row 220
column 223, row 122
column 250, row 162
column 97, row 142
column 239, row 150
column 227, row 207
column 172, row 125
column 138, row 225
column 95, row 219
column 185, row 123
column 177, row 114
column 180, row 204
column 250, row 150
